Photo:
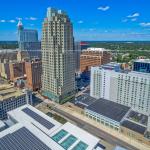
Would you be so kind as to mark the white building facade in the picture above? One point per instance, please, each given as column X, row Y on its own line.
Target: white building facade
column 103, row 119
column 131, row 89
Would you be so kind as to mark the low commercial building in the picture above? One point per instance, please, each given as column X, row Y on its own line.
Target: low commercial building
column 107, row 113
column 93, row 57
column 33, row 71
column 120, row 118
column 142, row 65
column 33, row 129
column 135, row 131
column 11, row 98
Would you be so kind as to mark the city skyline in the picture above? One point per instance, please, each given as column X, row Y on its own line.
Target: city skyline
column 100, row 20
column 72, row 77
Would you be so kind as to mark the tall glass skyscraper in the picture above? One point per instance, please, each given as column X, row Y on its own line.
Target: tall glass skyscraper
column 26, row 35
column 28, row 41
column 58, row 65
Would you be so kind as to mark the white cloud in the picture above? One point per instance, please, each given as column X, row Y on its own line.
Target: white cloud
column 145, row 24
column 12, row 21
column 124, row 20
column 18, row 18
column 134, row 15
column 80, row 22
column 31, row 18
column 134, row 19
column 2, row 21
column 103, row 8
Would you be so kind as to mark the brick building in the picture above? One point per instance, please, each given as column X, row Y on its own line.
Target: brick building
column 93, row 57
column 33, row 73
column 17, row 69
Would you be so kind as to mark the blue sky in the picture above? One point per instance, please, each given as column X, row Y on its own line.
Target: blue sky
column 92, row 19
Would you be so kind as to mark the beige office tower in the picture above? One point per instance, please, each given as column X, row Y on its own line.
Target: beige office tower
column 58, row 79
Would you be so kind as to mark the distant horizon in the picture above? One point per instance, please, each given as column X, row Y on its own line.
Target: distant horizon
column 93, row 41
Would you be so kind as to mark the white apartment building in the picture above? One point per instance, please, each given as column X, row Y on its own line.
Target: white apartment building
column 127, row 88
column 58, row 65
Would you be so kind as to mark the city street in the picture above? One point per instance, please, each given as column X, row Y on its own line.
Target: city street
column 95, row 131
column 92, row 127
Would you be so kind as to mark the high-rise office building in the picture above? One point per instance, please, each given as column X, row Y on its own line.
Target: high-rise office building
column 58, row 78
column 28, row 41
column 142, row 65
column 127, row 88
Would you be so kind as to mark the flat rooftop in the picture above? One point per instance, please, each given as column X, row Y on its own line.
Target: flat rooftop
column 2, row 124
column 143, row 60
column 96, row 49
column 81, row 140
column 27, row 136
column 14, row 140
column 55, row 135
column 134, row 73
column 133, row 126
column 29, row 114
column 84, row 100
column 109, row 109
column 8, row 91
column 138, row 117
column 119, row 148
column 112, row 64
